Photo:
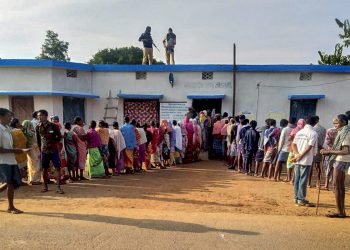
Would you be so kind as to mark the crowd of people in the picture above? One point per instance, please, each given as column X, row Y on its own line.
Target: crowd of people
column 38, row 151
column 301, row 146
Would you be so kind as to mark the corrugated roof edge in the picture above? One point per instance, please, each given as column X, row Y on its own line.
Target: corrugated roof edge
column 172, row 68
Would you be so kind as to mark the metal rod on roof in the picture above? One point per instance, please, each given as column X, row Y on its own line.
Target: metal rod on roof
column 234, row 81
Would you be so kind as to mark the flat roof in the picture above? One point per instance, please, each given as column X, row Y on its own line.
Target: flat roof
column 5, row 63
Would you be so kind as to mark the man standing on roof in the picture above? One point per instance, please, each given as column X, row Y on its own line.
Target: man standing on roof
column 147, row 40
column 169, row 43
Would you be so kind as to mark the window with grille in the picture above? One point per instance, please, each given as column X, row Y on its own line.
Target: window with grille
column 207, row 75
column 305, row 76
column 71, row 73
column 141, row 75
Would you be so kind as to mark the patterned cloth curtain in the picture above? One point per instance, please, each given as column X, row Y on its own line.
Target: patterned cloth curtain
column 142, row 110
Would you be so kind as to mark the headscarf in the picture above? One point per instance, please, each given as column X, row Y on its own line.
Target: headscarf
column 202, row 119
column 188, row 125
column 27, row 131
column 196, row 132
column 300, row 125
column 164, row 124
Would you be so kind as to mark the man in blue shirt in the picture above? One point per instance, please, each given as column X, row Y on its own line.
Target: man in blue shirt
column 250, row 146
column 129, row 135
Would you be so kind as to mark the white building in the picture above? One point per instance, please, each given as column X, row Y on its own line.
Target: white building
column 146, row 93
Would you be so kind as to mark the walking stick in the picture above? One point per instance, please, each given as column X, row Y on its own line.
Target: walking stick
column 319, row 186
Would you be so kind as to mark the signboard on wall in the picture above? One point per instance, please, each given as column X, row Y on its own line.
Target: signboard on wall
column 173, row 110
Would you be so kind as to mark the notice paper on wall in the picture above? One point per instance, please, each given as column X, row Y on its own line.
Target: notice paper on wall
column 173, row 110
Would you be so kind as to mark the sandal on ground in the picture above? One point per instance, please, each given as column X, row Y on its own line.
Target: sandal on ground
column 14, row 211
column 335, row 215
column 59, row 191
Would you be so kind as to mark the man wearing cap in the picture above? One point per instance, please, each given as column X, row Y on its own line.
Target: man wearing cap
column 169, row 43
column 147, row 40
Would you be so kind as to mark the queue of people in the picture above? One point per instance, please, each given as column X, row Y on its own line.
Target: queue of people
column 36, row 150
column 301, row 147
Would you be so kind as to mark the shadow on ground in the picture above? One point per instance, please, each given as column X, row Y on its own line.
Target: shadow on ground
column 160, row 225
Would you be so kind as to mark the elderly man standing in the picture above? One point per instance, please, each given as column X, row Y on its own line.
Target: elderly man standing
column 304, row 148
column 9, row 171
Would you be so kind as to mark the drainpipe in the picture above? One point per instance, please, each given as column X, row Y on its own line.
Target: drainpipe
column 234, row 81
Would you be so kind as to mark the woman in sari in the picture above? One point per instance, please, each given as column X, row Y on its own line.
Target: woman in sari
column 189, row 149
column 19, row 141
column 120, row 147
column 33, row 156
column 184, row 140
column 154, row 144
column 94, row 160
column 70, row 145
column 165, row 145
column 172, row 135
column 147, row 165
column 161, row 133
column 78, row 129
column 203, row 122
column 63, row 155
column 197, row 140
column 142, row 145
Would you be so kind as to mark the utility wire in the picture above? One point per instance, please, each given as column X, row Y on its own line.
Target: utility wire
column 303, row 86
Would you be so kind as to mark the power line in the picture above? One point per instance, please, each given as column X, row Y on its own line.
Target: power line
column 303, row 86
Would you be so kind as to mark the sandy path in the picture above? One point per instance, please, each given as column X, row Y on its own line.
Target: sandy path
column 196, row 206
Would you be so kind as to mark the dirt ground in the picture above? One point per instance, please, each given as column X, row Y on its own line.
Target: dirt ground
column 196, row 206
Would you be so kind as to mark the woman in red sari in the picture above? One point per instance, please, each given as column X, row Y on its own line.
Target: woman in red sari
column 189, row 149
column 155, row 161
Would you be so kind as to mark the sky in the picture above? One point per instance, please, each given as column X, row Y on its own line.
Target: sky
column 265, row 31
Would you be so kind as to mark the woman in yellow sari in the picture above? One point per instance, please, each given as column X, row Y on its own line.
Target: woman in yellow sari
column 34, row 169
column 19, row 141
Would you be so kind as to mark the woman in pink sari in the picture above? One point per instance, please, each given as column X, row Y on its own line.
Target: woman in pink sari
column 81, row 146
column 189, row 149
column 197, row 139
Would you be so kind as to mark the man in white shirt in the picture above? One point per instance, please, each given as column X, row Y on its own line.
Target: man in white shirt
column 9, row 171
column 340, row 159
column 304, row 147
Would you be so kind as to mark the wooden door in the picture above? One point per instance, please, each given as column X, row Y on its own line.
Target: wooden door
column 23, row 107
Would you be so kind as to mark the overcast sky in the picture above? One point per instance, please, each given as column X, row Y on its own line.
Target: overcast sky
column 265, row 31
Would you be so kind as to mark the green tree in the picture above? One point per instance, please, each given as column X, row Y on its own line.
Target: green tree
column 53, row 48
column 337, row 58
column 124, row 55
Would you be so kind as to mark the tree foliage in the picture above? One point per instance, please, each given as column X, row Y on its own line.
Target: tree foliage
column 53, row 48
column 124, row 55
column 337, row 58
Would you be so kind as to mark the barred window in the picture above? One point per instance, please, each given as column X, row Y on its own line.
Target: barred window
column 207, row 75
column 141, row 75
column 71, row 73
column 307, row 76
